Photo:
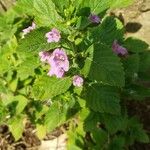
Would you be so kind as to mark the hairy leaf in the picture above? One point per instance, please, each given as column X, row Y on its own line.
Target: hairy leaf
column 45, row 10
column 47, row 87
column 104, row 99
column 109, row 30
column 104, row 66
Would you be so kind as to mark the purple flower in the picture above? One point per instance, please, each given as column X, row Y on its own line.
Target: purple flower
column 59, row 59
column 59, row 72
column 77, row 81
column 94, row 18
column 53, row 36
column 59, row 63
column 29, row 29
column 118, row 49
column 44, row 56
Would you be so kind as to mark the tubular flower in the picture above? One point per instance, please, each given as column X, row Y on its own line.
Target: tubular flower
column 118, row 49
column 53, row 36
column 94, row 18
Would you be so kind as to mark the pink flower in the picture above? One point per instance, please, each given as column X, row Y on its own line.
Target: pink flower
column 59, row 72
column 44, row 56
column 118, row 49
column 29, row 29
column 94, row 18
column 59, row 63
column 53, row 36
column 77, row 81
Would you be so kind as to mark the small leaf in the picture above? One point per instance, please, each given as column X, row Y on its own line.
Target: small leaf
column 22, row 102
column 16, row 127
column 135, row 45
column 41, row 131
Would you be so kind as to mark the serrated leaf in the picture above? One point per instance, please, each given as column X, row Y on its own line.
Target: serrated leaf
column 45, row 10
column 102, row 65
column 104, row 99
column 48, row 87
column 35, row 42
column 109, row 30
column 16, row 127
column 135, row 45
column 131, row 65
column 97, row 6
column 114, row 123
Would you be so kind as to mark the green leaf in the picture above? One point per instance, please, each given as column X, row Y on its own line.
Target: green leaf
column 91, row 122
column 41, row 131
column 13, row 85
column 35, row 42
column 27, row 67
column 114, row 123
column 76, row 136
column 135, row 45
column 61, row 5
column 103, row 66
column 131, row 65
column 97, row 6
column 120, row 3
column 57, row 114
column 118, row 143
column 104, row 99
column 109, row 30
column 144, row 62
column 22, row 102
column 24, row 6
column 138, row 92
column 45, row 10
column 48, row 87
column 100, row 137
column 16, row 127
column 136, row 131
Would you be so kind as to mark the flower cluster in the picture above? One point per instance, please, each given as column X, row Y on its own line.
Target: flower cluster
column 118, row 49
column 29, row 29
column 58, row 59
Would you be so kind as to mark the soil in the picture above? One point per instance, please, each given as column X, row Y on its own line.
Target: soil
column 28, row 141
